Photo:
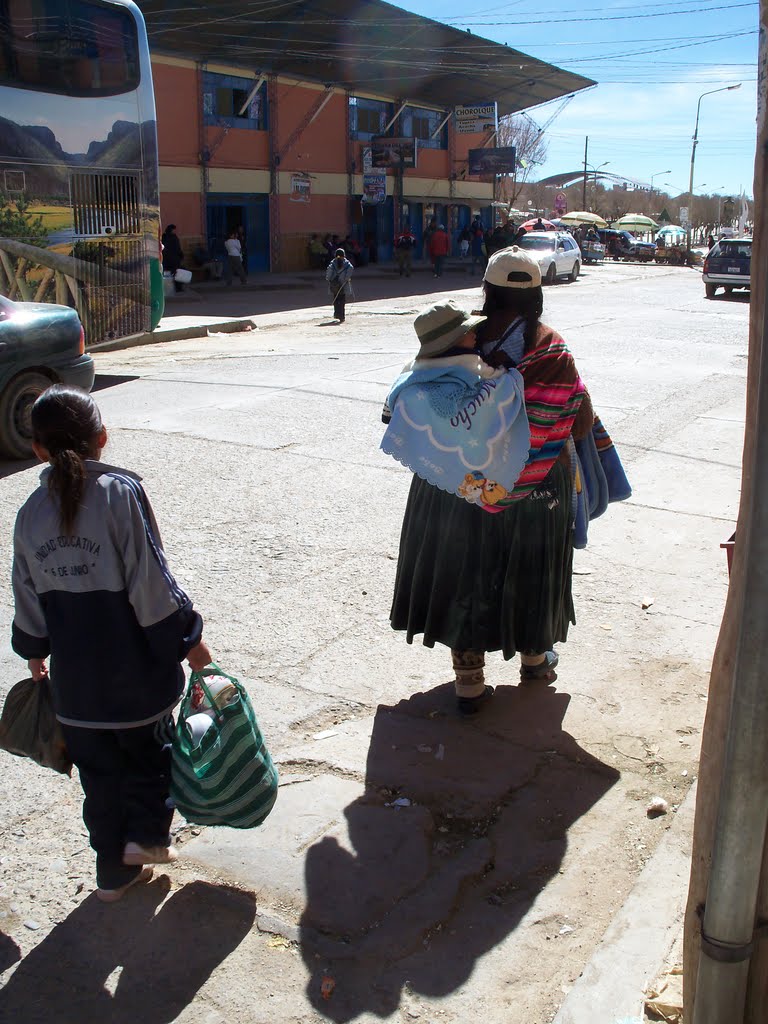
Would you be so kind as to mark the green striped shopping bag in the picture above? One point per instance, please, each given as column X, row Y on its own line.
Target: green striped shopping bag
column 227, row 777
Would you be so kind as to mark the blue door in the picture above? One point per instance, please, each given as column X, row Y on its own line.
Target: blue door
column 227, row 212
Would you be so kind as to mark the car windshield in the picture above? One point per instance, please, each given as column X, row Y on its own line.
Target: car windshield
column 537, row 244
column 735, row 250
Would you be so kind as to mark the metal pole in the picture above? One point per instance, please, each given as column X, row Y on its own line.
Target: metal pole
column 734, row 881
column 584, row 186
column 725, row 88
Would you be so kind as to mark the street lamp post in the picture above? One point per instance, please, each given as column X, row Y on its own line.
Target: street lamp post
column 593, row 173
column 656, row 176
column 725, row 88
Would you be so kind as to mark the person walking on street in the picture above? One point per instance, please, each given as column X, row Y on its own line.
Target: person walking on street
column 116, row 631
column 404, row 246
column 439, row 247
column 173, row 256
column 476, row 581
column 234, row 259
column 339, row 278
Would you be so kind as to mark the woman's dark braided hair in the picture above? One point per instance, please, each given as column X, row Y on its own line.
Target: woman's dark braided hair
column 66, row 422
column 525, row 302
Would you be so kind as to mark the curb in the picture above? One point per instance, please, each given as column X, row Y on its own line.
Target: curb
column 632, row 952
column 156, row 337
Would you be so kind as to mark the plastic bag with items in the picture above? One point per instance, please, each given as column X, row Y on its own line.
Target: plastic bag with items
column 29, row 727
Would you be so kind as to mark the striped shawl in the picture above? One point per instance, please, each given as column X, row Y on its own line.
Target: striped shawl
column 554, row 393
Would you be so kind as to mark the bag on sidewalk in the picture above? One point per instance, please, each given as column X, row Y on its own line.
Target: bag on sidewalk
column 222, row 773
column 29, row 727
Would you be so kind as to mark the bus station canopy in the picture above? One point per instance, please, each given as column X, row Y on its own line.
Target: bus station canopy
column 365, row 46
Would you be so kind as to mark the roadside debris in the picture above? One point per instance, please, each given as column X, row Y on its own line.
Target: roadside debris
column 657, row 806
column 327, row 985
column 665, row 999
column 648, row 601
column 325, row 735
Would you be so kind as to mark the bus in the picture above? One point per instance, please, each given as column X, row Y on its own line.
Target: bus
column 79, row 192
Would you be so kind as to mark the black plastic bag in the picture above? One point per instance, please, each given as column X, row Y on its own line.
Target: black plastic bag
column 29, row 727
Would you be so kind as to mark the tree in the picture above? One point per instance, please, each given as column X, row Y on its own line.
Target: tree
column 17, row 222
column 531, row 150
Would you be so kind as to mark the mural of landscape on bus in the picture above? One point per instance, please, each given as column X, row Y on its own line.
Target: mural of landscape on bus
column 97, row 260
column 35, row 168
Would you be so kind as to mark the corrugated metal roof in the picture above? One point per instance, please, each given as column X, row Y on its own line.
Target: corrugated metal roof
column 366, row 46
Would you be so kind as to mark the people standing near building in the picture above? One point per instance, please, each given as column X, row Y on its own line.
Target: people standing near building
column 464, row 239
column 116, row 631
column 234, row 263
column 173, row 255
column 405, row 243
column 479, row 252
column 428, row 232
column 339, row 278
column 479, row 581
column 439, row 247
column 243, row 240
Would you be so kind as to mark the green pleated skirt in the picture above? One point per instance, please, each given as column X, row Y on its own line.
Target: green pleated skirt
column 481, row 581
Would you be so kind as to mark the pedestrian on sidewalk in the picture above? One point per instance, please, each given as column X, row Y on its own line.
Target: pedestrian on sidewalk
column 479, row 581
column 477, row 246
column 439, row 247
column 93, row 591
column 339, row 278
column 173, row 255
column 405, row 243
column 234, row 263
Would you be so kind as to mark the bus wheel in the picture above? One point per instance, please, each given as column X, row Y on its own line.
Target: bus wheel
column 16, row 403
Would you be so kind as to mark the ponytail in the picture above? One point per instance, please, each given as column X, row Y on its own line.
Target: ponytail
column 67, row 482
column 66, row 422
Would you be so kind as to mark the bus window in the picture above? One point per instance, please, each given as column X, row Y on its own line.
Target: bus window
column 75, row 47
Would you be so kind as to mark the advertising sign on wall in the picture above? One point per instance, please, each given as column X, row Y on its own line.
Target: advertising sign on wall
column 386, row 152
column 482, row 117
column 492, row 161
column 301, row 188
column 374, row 188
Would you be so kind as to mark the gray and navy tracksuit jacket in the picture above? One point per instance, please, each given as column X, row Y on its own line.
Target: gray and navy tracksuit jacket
column 102, row 603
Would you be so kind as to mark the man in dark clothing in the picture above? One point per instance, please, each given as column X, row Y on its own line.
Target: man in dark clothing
column 405, row 243
column 173, row 256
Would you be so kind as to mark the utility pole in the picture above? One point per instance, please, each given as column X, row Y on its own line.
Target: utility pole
column 584, row 185
column 725, row 966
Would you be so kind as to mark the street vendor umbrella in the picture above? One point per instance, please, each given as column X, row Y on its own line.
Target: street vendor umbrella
column 530, row 225
column 636, row 222
column 672, row 232
column 583, row 217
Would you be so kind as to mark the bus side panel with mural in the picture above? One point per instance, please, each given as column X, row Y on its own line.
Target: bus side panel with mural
column 79, row 200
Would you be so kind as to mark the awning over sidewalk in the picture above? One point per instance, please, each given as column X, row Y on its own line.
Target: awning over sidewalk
column 367, row 46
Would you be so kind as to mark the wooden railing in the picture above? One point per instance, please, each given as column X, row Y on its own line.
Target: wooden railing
column 100, row 294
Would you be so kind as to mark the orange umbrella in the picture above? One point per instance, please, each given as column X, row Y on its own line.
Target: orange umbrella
column 530, row 225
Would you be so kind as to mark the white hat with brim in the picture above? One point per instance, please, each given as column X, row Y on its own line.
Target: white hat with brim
column 513, row 267
column 441, row 326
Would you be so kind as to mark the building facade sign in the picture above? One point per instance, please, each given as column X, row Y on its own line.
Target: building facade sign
column 482, row 117
column 374, row 188
column 301, row 188
column 492, row 161
column 392, row 152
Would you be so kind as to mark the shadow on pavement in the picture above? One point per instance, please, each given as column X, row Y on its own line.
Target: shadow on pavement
column 434, row 884
column 165, row 957
column 8, row 467
column 112, row 380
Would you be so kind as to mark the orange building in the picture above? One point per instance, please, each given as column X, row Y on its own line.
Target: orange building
column 280, row 142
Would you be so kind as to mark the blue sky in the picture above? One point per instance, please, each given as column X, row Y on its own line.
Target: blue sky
column 652, row 63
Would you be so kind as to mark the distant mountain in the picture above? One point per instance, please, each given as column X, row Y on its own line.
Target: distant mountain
column 36, row 144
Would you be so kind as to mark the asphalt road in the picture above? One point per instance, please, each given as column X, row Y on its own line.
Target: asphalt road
column 525, row 831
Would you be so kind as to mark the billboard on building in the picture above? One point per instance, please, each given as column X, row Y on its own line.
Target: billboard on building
column 481, row 117
column 492, row 161
column 374, row 188
column 386, row 152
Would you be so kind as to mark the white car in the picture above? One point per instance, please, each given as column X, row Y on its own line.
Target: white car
column 557, row 253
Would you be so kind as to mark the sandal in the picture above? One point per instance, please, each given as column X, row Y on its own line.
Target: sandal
column 471, row 705
column 543, row 672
